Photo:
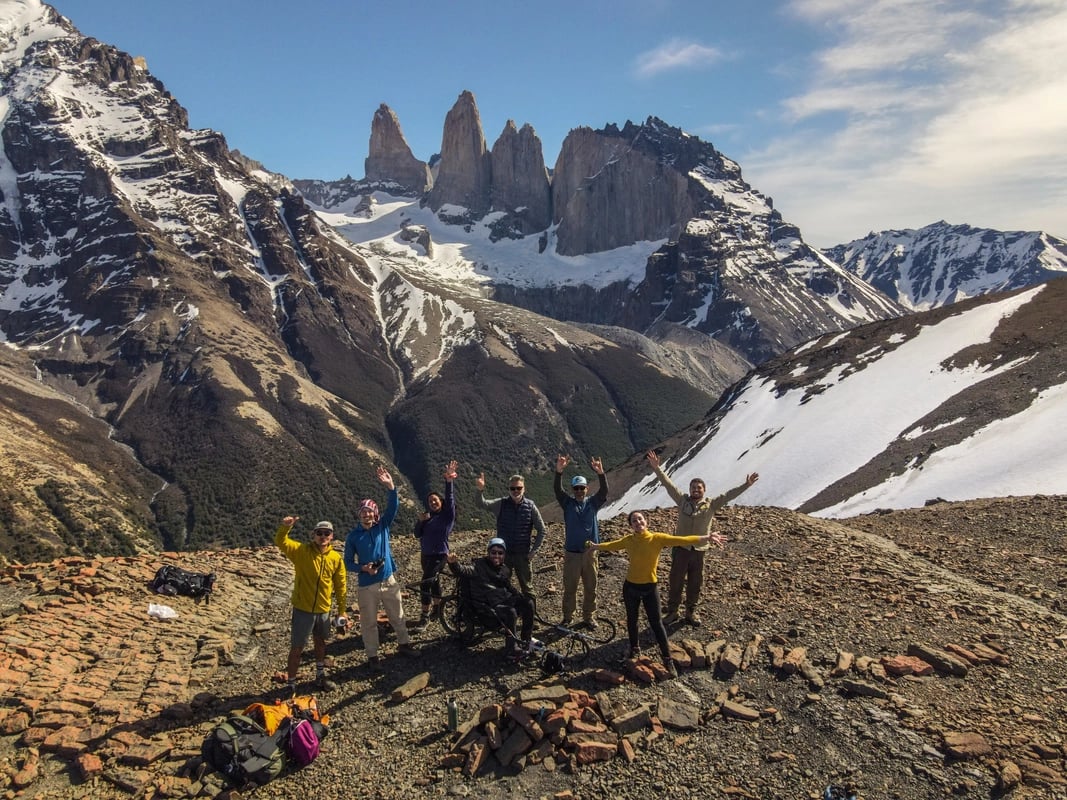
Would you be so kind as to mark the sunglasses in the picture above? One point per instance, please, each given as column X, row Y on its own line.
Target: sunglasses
column 323, row 533
column 579, row 488
column 516, row 488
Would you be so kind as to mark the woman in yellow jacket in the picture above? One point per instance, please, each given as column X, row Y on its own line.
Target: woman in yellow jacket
column 320, row 578
column 639, row 588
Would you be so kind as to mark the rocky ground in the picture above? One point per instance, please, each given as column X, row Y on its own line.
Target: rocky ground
column 101, row 700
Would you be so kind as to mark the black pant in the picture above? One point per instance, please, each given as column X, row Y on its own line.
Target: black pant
column 634, row 595
column 509, row 612
column 432, row 564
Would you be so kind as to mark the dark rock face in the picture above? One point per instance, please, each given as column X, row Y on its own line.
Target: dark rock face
column 464, row 177
column 731, row 268
column 606, row 193
column 390, row 160
column 520, row 180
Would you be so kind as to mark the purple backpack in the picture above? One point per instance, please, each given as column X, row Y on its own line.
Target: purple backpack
column 302, row 742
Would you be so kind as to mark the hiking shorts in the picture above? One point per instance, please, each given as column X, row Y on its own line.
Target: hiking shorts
column 305, row 623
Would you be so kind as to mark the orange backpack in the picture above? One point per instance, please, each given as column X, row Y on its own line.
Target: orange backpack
column 269, row 715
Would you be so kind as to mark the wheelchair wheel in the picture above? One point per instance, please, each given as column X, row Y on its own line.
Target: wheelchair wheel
column 574, row 648
column 457, row 622
column 605, row 630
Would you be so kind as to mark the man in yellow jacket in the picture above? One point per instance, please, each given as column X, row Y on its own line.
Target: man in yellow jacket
column 320, row 578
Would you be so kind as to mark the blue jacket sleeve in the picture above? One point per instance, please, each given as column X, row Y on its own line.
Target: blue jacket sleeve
column 448, row 508
column 557, row 489
column 601, row 492
column 350, row 552
column 391, row 506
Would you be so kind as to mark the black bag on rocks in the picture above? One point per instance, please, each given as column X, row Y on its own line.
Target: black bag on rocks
column 171, row 580
column 553, row 662
column 243, row 751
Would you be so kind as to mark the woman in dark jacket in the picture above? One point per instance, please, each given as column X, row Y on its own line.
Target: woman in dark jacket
column 432, row 530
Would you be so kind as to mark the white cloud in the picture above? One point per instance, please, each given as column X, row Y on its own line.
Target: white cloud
column 920, row 111
column 675, row 54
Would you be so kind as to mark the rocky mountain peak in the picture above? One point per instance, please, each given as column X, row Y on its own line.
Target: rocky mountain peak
column 464, row 176
column 520, row 184
column 390, row 160
column 942, row 263
column 633, row 195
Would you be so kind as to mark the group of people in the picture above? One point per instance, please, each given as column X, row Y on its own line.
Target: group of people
column 321, row 571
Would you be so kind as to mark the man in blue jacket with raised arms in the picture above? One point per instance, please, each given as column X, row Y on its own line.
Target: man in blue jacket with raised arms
column 367, row 553
column 580, row 526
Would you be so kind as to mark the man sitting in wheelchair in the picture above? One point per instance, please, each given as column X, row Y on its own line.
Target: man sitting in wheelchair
column 494, row 598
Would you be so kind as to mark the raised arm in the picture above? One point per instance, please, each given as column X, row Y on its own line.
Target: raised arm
column 458, row 569
column 672, row 490
column 729, row 496
column 448, row 507
column 557, row 480
column 601, row 495
column 479, row 496
column 281, row 535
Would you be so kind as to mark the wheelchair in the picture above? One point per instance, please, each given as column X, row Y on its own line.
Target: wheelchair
column 464, row 619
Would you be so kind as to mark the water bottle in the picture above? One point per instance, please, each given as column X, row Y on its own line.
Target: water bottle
column 453, row 714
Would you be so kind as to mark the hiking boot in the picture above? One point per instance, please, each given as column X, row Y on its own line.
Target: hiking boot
column 635, row 653
column 565, row 623
column 692, row 618
column 374, row 662
column 671, row 668
column 407, row 650
column 671, row 618
column 591, row 624
column 324, row 684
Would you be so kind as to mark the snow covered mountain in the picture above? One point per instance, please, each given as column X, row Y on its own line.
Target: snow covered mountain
column 964, row 401
column 638, row 225
column 192, row 348
column 943, row 263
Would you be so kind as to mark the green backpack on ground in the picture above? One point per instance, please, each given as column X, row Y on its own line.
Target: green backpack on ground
column 244, row 752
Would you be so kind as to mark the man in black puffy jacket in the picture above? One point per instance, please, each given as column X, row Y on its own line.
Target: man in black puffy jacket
column 517, row 516
column 491, row 590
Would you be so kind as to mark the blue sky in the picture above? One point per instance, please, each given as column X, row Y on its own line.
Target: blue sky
column 854, row 115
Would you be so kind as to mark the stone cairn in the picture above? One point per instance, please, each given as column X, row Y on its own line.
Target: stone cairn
column 560, row 727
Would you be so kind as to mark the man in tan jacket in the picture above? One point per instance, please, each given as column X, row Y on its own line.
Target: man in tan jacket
column 696, row 515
